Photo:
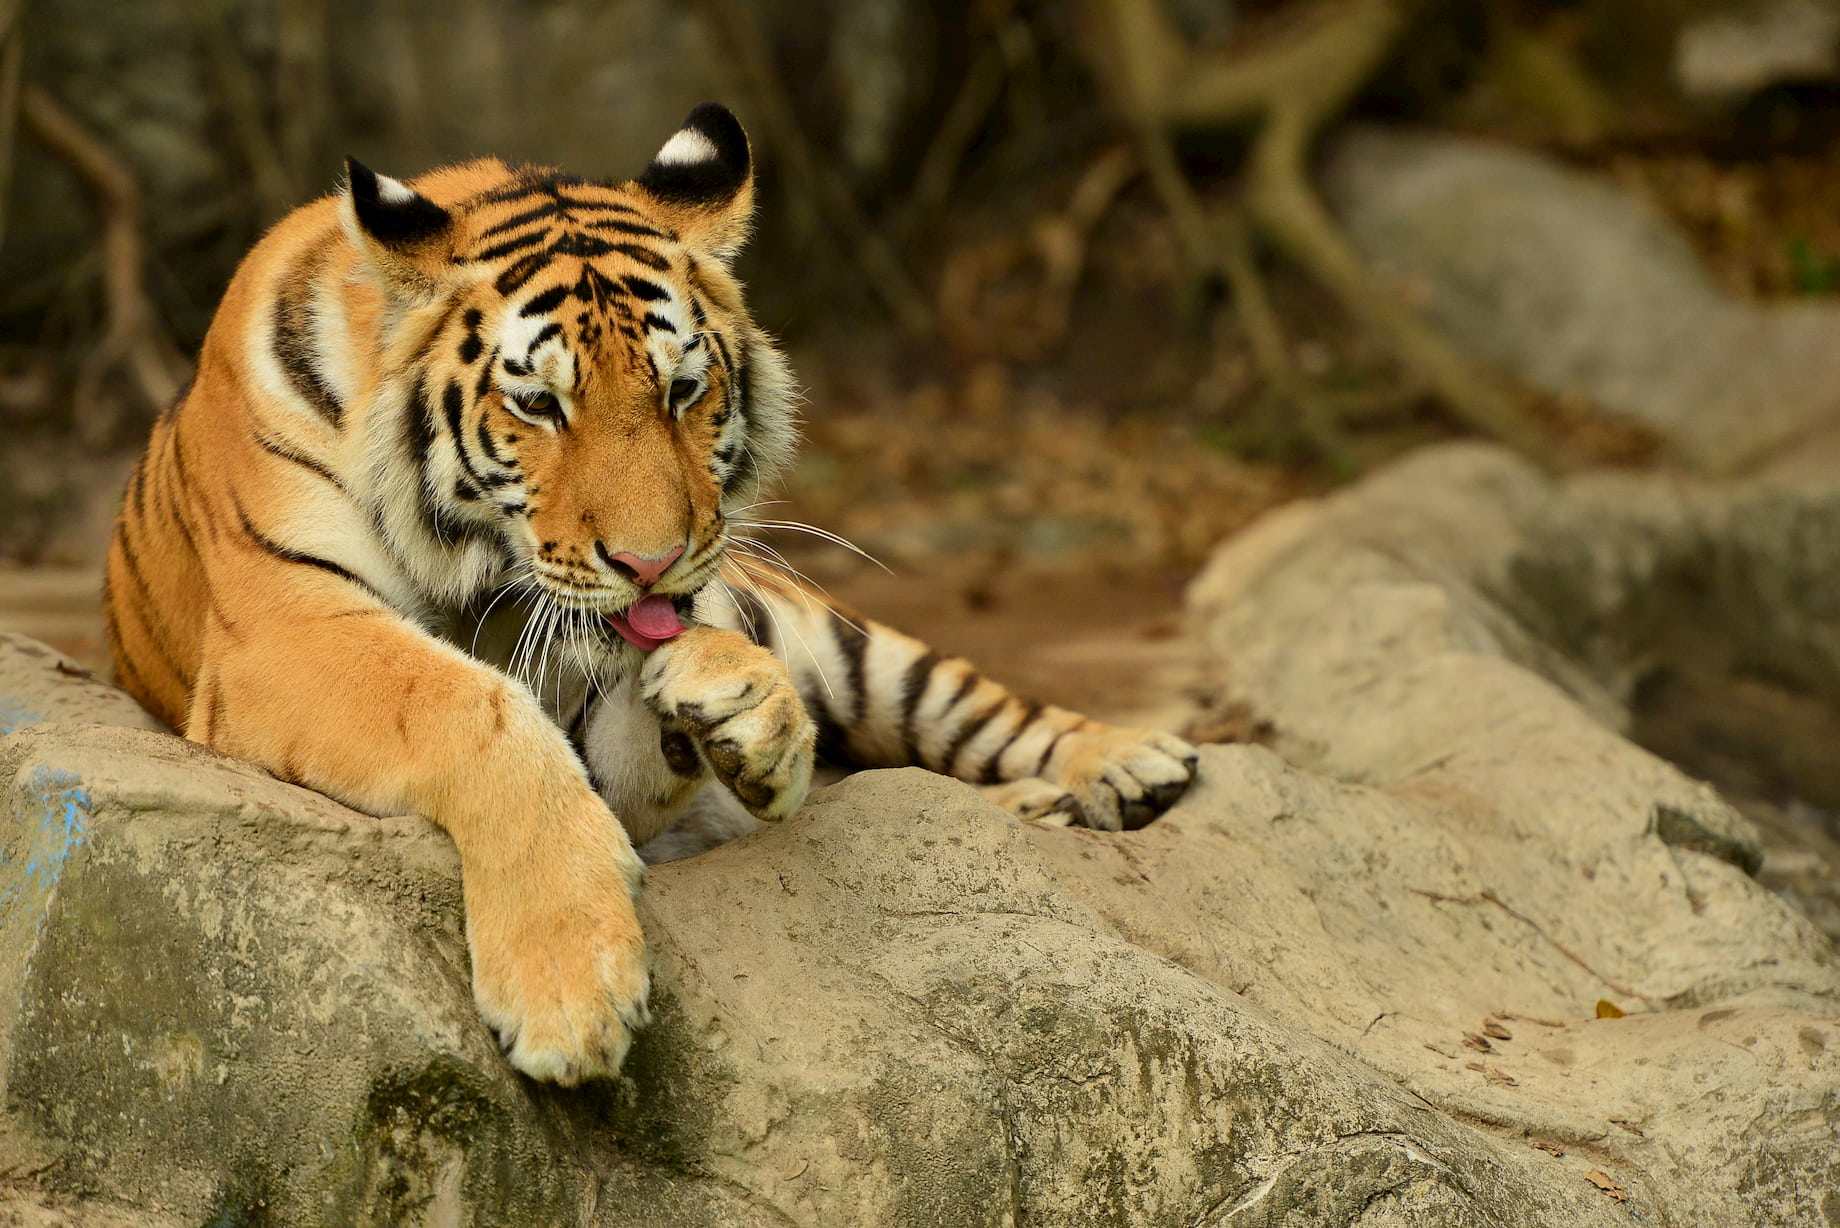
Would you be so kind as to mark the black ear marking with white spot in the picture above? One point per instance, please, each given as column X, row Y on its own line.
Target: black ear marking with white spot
column 705, row 162
column 390, row 211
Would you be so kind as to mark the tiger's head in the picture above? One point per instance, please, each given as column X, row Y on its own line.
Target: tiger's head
column 581, row 377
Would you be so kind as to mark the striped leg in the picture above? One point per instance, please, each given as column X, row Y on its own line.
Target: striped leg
column 884, row 699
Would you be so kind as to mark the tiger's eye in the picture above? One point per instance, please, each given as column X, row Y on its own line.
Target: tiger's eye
column 682, row 390
column 541, row 403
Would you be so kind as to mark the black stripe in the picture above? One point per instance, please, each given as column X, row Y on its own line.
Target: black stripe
column 970, row 730
column 913, row 689
column 176, row 498
column 485, row 441
column 552, row 329
column 1030, row 710
column 654, row 320
column 644, row 288
column 972, row 678
column 144, row 614
column 293, row 341
column 578, row 724
column 453, row 402
column 833, row 741
column 643, row 255
column 485, row 375
column 545, row 302
column 286, row 554
column 515, row 277
column 626, row 228
column 738, row 394
column 755, row 621
column 597, row 206
column 471, row 344
column 853, row 643
column 305, row 462
column 1048, row 753
column 137, row 486
column 537, row 213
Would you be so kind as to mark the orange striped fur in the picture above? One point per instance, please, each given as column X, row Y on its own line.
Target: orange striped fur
column 442, row 432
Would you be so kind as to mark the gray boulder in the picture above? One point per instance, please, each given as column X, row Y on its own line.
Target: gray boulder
column 1350, row 981
column 1577, row 288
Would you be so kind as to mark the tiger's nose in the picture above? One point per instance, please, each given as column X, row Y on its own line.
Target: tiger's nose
column 640, row 570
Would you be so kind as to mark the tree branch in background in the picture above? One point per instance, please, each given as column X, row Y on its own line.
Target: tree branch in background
column 133, row 338
column 1287, row 88
column 12, row 64
column 1007, row 44
column 242, row 107
column 814, row 189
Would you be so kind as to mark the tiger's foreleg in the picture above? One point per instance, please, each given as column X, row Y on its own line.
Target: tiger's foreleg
column 332, row 689
column 884, row 699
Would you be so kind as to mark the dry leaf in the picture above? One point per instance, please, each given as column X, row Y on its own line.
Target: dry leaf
column 796, row 1171
column 1444, row 1052
column 1493, row 1074
column 1606, row 1009
column 1635, row 1130
column 1491, row 1028
column 1473, row 1041
column 1607, row 1184
column 1551, row 1149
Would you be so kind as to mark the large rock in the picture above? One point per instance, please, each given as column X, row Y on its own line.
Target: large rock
column 1353, row 982
column 1577, row 288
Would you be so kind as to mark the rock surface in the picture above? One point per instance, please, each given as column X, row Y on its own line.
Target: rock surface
column 1578, row 289
column 1354, row 981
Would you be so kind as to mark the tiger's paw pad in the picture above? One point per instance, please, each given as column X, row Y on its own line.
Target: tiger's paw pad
column 1123, row 778
column 738, row 704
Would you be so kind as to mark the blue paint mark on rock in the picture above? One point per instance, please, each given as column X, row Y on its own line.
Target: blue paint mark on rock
column 51, row 813
column 14, row 714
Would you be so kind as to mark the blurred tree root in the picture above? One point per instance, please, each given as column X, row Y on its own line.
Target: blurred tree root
column 132, row 339
column 1287, row 86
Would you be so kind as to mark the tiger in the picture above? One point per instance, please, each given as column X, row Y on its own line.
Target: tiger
column 498, row 404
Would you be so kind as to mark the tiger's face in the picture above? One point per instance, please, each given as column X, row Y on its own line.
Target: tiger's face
column 594, row 388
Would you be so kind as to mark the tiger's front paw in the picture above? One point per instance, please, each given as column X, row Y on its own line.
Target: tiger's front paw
column 559, row 965
column 737, row 703
column 1119, row 778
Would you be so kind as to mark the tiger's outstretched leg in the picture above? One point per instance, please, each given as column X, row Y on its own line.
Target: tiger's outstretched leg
column 884, row 699
column 338, row 692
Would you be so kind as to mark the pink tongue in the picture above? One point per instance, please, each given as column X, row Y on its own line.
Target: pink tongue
column 655, row 618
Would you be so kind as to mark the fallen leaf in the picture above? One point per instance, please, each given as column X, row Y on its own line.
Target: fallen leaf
column 1443, row 1052
column 1551, row 1149
column 796, row 1171
column 1605, row 1182
column 1473, row 1041
column 1618, row 1121
column 1606, row 1009
column 1494, row 1074
column 1491, row 1028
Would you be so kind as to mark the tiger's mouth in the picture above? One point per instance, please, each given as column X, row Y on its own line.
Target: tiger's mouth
column 648, row 622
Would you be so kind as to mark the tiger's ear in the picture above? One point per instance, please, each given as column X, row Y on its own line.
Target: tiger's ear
column 408, row 237
column 702, row 181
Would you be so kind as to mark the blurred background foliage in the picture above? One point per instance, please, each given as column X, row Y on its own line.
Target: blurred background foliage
column 1059, row 277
